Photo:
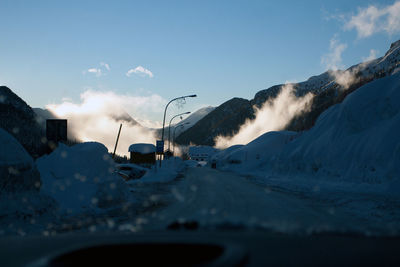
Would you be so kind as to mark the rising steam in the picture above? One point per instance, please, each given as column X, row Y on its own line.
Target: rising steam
column 333, row 61
column 274, row 115
column 98, row 117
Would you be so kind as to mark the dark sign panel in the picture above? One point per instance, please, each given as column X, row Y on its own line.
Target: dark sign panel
column 56, row 130
column 160, row 147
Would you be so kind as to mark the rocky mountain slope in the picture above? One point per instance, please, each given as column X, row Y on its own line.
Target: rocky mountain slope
column 328, row 88
column 19, row 120
column 223, row 120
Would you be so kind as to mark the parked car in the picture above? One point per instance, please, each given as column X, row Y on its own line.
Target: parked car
column 213, row 164
column 130, row 171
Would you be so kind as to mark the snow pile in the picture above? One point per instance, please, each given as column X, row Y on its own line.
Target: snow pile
column 355, row 141
column 222, row 155
column 82, row 178
column 190, row 163
column 17, row 169
column 19, row 186
column 142, row 148
column 255, row 153
column 169, row 170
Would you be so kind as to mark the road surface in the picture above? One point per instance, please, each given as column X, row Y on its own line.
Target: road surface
column 214, row 198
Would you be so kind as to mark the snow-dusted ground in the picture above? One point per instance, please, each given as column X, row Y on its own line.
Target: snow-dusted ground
column 219, row 199
column 167, row 172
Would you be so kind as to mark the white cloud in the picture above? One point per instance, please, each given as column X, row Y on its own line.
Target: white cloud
column 273, row 116
column 105, row 65
column 372, row 19
column 97, row 72
column 100, row 71
column 140, row 71
column 333, row 60
column 95, row 117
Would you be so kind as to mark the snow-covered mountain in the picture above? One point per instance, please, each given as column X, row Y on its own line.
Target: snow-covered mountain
column 194, row 117
column 365, row 71
column 328, row 88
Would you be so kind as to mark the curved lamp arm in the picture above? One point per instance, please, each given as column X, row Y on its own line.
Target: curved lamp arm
column 165, row 111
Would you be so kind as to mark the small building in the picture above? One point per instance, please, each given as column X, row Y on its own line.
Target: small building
column 143, row 154
column 56, row 130
column 201, row 153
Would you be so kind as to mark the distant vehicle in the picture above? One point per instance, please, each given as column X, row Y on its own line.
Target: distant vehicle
column 130, row 171
column 213, row 164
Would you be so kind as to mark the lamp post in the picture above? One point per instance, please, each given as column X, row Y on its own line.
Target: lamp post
column 163, row 125
column 165, row 111
column 169, row 128
column 173, row 137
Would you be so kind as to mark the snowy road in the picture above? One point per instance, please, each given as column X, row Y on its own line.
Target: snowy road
column 215, row 198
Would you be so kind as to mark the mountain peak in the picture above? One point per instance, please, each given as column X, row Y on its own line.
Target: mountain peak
column 393, row 47
column 8, row 97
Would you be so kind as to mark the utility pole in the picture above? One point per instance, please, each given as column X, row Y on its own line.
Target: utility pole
column 116, row 143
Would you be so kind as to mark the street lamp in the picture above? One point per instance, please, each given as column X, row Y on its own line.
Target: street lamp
column 169, row 128
column 173, row 137
column 165, row 111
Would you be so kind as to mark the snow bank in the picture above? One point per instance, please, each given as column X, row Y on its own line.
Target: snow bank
column 202, row 150
column 82, row 178
column 190, row 163
column 17, row 169
column 222, row 155
column 255, row 153
column 355, row 141
column 21, row 203
column 169, row 170
column 142, row 148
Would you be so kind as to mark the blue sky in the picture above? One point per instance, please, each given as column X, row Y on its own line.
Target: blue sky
column 53, row 51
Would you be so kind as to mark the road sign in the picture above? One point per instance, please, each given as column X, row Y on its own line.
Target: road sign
column 160, row 147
